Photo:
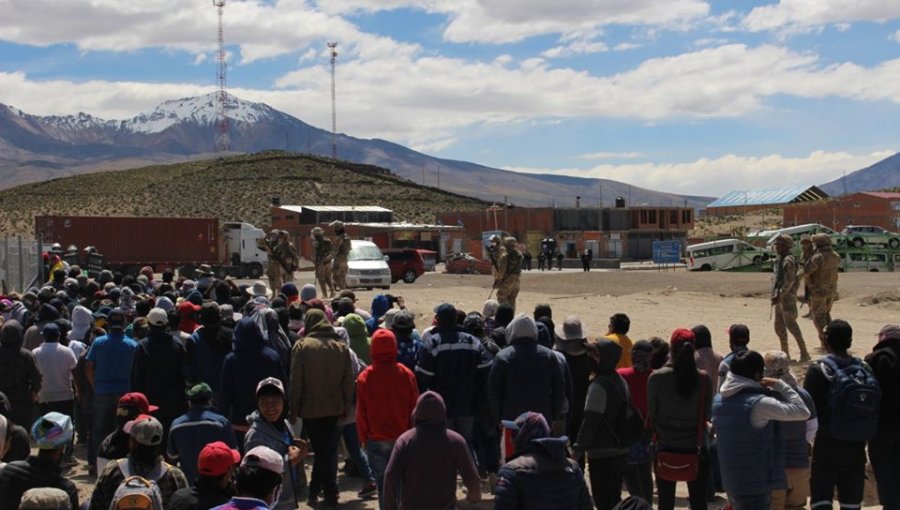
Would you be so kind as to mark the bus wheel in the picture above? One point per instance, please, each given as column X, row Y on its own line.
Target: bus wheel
column 706, row 267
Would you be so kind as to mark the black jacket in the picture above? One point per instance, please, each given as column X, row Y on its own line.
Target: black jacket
column 158, row 371
column 885, row 362
column 527, row 377
column 202, row 497
column 17, row 477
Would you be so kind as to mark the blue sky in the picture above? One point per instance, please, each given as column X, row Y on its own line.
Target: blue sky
column 689, row 96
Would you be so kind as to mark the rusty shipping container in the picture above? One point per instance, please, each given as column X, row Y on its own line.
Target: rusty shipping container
column 126, row 241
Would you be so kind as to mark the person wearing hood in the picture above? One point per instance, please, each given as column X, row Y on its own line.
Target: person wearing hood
column 321, row 392
column 380, row 305
column 456, row 365
column 208, row 347
column 250, row 362
column 505, row 315
column 638, row 479
column 359, row 336
column 267, row 320
column 20, row 379
column 386, row 394
column 46, row 313
column 269, row 428
column 17, row 443
column 426, row 461
column 607, row 398
column 884, row 448
column 540, row 476
column 744, row 414
column 526, row 377
column 158, row 369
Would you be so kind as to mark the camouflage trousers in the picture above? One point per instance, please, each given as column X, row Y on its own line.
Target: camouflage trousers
column 323, row 277
column 786, row 320
column 339, row 274
column 276, row 276
column 508, row 290
column 820, row 302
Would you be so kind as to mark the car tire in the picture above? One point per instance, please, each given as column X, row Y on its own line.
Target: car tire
column 894, row 243
column 254, row 271
column 409, row 276
column 706, row 267
column 757, row 260
column 858, row 242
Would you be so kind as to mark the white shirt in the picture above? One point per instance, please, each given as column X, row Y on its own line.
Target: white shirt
column 55, row 362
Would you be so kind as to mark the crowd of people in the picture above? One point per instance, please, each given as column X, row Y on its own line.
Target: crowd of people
column 200, row 394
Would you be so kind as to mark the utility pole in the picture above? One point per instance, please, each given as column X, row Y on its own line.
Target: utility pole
column 223, row 142
column 334, row 54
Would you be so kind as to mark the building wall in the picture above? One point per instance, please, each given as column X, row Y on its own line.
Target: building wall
column 739, row 209
column 855, row 209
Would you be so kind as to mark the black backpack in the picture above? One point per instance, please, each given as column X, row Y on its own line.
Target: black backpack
column 854, row 397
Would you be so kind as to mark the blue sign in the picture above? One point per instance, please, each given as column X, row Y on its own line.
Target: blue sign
column 666, row 252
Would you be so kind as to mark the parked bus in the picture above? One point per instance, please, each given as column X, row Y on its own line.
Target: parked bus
column 726, row 254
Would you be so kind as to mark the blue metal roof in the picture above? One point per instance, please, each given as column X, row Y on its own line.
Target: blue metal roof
column 769, row 196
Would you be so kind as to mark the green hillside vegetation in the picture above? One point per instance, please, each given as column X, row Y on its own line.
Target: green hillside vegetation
column 238, row 188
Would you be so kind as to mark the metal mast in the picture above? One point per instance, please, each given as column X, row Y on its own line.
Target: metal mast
column 333, row 47
column 223, row 141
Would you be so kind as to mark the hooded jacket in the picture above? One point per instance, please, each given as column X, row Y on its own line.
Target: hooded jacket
column 158, row 372
column 321, row 371
column 81, row 323
column 386, row 393
column 207, row 349
column 359, row 336
column 606, row 398
column 380, row 305
column 46, row 313
column 250, row 362
column 526, row 376
column 426, row 460
column 19, row 375
column 263, row 433
column 885, row 362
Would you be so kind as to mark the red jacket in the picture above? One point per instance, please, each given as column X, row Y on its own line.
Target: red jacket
column 386, row 393
column 637, row 386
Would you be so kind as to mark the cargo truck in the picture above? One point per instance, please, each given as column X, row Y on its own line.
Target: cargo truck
column 128, row 243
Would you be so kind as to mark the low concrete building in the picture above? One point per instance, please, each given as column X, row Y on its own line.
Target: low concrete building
column 881, row 209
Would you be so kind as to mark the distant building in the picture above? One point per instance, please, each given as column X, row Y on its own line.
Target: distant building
column 752, row 200
column 865, row 208
column 625, row 233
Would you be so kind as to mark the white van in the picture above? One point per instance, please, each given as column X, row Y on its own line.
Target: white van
column 724, row 254
column 367, row 267
column 800, row 230
column 866, row 260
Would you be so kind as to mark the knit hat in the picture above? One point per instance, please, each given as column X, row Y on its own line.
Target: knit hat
column 216, row 459
column 523, row 326
column 265, row 458
column 308, row 292
column 145, row 429
column 572, row 329
column 52, row 431
column 681, row 336
column 45, row 498
column 50, row 332
column 890, row 331
column 490, row 308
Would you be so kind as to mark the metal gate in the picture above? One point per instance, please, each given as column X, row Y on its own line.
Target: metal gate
column 19, row 258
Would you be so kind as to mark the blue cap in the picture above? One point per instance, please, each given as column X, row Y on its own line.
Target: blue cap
column 52, row 431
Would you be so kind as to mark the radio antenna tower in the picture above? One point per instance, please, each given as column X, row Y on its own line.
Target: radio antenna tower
column 334, row 54
column 223, row 142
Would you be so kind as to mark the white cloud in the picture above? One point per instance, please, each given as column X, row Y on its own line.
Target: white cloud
column 802, row 15
column 596, row 156
column 896, row 36
column 715, row 177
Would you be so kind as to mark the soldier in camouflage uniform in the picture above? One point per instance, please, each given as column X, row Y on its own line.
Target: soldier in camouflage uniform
column 784, row 296
column 341, row 252
column 806, row 251
column 323, row 252
column 287, row 258
column 821, row 272
column 273, row 267
column 509, row 270
column 494, row 253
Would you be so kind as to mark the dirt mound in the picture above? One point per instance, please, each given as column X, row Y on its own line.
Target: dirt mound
column 887, row 296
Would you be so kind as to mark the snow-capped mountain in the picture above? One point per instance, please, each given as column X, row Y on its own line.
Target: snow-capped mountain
column 200, row 110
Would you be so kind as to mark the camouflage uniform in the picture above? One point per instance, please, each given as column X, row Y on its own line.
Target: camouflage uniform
column 287, row 257
column 342, row 248
column 495, row 251
column 784, row 297
column 509, row 269
column 323, row 256
column 821, row 271
column 806, row 251
column 273, row 267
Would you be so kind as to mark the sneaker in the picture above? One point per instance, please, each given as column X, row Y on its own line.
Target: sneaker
column 492, row 482
column 369, row 489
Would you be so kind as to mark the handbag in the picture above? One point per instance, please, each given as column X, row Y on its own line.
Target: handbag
column 683, row 467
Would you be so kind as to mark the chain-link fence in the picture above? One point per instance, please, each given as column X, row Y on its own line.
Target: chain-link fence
column 19, row 257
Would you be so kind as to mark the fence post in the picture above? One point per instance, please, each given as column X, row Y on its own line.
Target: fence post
column 21, row 267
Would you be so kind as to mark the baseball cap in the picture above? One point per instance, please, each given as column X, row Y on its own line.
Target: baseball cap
column 116, row 318
column 145, row 429
column 137, row 400
column 270, row 382
column 52, row 431
column 572, row 329
column 157, row 317
column 216, row 459
column 187, row 307
column 265, row 458
column 403, row 321
column 45, row 498
column 199, row 391
column 50, row 331
column 681, row 336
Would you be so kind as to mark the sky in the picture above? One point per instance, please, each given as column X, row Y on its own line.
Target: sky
column 688, row 96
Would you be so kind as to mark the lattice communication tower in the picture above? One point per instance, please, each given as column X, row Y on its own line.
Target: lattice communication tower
column 223, row 140
column 334, row 54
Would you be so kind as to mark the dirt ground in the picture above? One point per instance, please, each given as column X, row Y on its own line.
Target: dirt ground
column 657, row 302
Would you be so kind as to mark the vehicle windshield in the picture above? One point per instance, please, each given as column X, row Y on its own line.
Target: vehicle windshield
column 365, row 253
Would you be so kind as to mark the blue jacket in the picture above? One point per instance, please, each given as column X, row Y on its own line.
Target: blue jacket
column 752, row 459
column 191, row 432
column 250, row 363
column 527, row 377
column 207, row 349
column 796, row 448
column 456, row 365
column 542, row 477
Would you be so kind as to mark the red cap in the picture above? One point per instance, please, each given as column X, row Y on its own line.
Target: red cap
column 187, row 307
column 137, row 400
column 680, row 336
column 216, row 459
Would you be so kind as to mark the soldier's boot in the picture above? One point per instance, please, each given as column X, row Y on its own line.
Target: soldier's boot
column 801, row 343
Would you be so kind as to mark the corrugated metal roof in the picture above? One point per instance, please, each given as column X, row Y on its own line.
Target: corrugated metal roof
column 335, row 208
column 769, row 196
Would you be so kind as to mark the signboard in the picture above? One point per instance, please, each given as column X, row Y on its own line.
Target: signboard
column 666, row 252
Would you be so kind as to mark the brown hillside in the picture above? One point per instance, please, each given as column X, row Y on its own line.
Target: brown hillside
column 238, row 188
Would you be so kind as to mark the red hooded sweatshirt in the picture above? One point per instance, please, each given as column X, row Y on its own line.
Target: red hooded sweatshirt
column 386, row 393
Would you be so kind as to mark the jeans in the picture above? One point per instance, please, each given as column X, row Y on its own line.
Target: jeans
column 103, row 417
column 606, row 475
column 837, row 464
column 885, row 457
column 351, row 440
column 379, row 453
column 665, row 489
column 755, row 502
column 324, row 437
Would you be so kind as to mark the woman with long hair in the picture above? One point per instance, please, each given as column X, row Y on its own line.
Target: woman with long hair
column 679, row 400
